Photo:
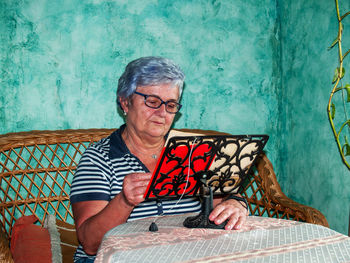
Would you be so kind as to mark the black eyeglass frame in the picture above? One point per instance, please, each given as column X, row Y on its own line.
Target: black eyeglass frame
column 162, row 102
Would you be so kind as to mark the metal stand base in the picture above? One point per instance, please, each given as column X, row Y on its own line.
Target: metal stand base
column 202, row 220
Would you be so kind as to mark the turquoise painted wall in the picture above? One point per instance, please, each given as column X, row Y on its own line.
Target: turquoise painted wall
column 245, row 73
column 311, row 168
column 61, row 60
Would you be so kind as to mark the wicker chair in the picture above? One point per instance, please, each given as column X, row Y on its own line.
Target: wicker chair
column 36, row 170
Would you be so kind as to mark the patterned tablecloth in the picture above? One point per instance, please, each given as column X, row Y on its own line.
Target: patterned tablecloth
column 260, row 240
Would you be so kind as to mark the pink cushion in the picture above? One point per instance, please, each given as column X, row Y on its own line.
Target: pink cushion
column 30, row 242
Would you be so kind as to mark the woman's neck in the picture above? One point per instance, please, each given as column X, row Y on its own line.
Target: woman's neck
column 138, row 145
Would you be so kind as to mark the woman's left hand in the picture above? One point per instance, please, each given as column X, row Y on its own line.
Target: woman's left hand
column 231, row 210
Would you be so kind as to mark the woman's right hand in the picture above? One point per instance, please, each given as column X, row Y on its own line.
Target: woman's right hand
column 134, row 187
column 99, row 216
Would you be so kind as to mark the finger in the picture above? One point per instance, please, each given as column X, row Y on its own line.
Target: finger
column 222, row 217
column 138, row 177
column 216, row 212
column 136, row 180
column 139, row 190
column 230, row 213
column 132, row 190
column 231, row 223
column 240, row 222
column 136, row 184
column 235, row 222
column 134, row 197
column 134, row 187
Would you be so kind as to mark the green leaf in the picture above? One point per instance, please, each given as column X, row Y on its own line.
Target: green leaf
column 334, row 43
column 338, row 75
column 332, row 111
column 347, row 87
column 335, row 77
column 347, row 150
column 346, row 147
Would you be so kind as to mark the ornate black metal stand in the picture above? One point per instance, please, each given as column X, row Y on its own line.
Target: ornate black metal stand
column 212, row 165
column 202, row 220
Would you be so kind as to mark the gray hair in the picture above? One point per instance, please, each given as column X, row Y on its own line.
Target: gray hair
column 149, row 71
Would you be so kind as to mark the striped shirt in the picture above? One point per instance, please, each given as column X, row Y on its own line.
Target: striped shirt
column 100, row 175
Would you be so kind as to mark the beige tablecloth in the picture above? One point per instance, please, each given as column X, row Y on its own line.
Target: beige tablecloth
column 260, row 240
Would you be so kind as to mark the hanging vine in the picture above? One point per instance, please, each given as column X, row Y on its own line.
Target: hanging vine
column 343, row 129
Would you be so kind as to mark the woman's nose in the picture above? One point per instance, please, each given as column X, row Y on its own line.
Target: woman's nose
column 162, row 110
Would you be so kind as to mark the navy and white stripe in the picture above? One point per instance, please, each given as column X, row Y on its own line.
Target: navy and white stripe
column 100, row 175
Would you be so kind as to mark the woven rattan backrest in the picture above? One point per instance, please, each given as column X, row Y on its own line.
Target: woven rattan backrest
column 266, row 198
column 36, row 170
column 262, row 190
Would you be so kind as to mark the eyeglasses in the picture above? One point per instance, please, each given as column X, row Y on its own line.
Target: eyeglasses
column 155, row 102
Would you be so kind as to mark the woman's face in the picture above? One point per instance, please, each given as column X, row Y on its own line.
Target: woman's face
column 146, row 121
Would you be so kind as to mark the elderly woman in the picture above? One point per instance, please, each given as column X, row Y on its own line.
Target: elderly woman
column 113, row 174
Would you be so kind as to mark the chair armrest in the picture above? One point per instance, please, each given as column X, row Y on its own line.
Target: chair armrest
column 5, row 252
column 276, row 202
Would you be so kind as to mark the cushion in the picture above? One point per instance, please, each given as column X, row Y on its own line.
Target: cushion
column 30, row 242
column 63, row 237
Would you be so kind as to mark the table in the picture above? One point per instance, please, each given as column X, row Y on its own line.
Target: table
column 260, row 240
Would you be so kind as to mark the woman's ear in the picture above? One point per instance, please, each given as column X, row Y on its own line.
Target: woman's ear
column 124, row 103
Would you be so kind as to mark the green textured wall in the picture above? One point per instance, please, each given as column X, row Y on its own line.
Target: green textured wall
column 311, row 168
column 245, row 73
column 61, row 60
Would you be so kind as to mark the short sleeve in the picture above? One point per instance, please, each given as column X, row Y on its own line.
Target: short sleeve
column 92, row 177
